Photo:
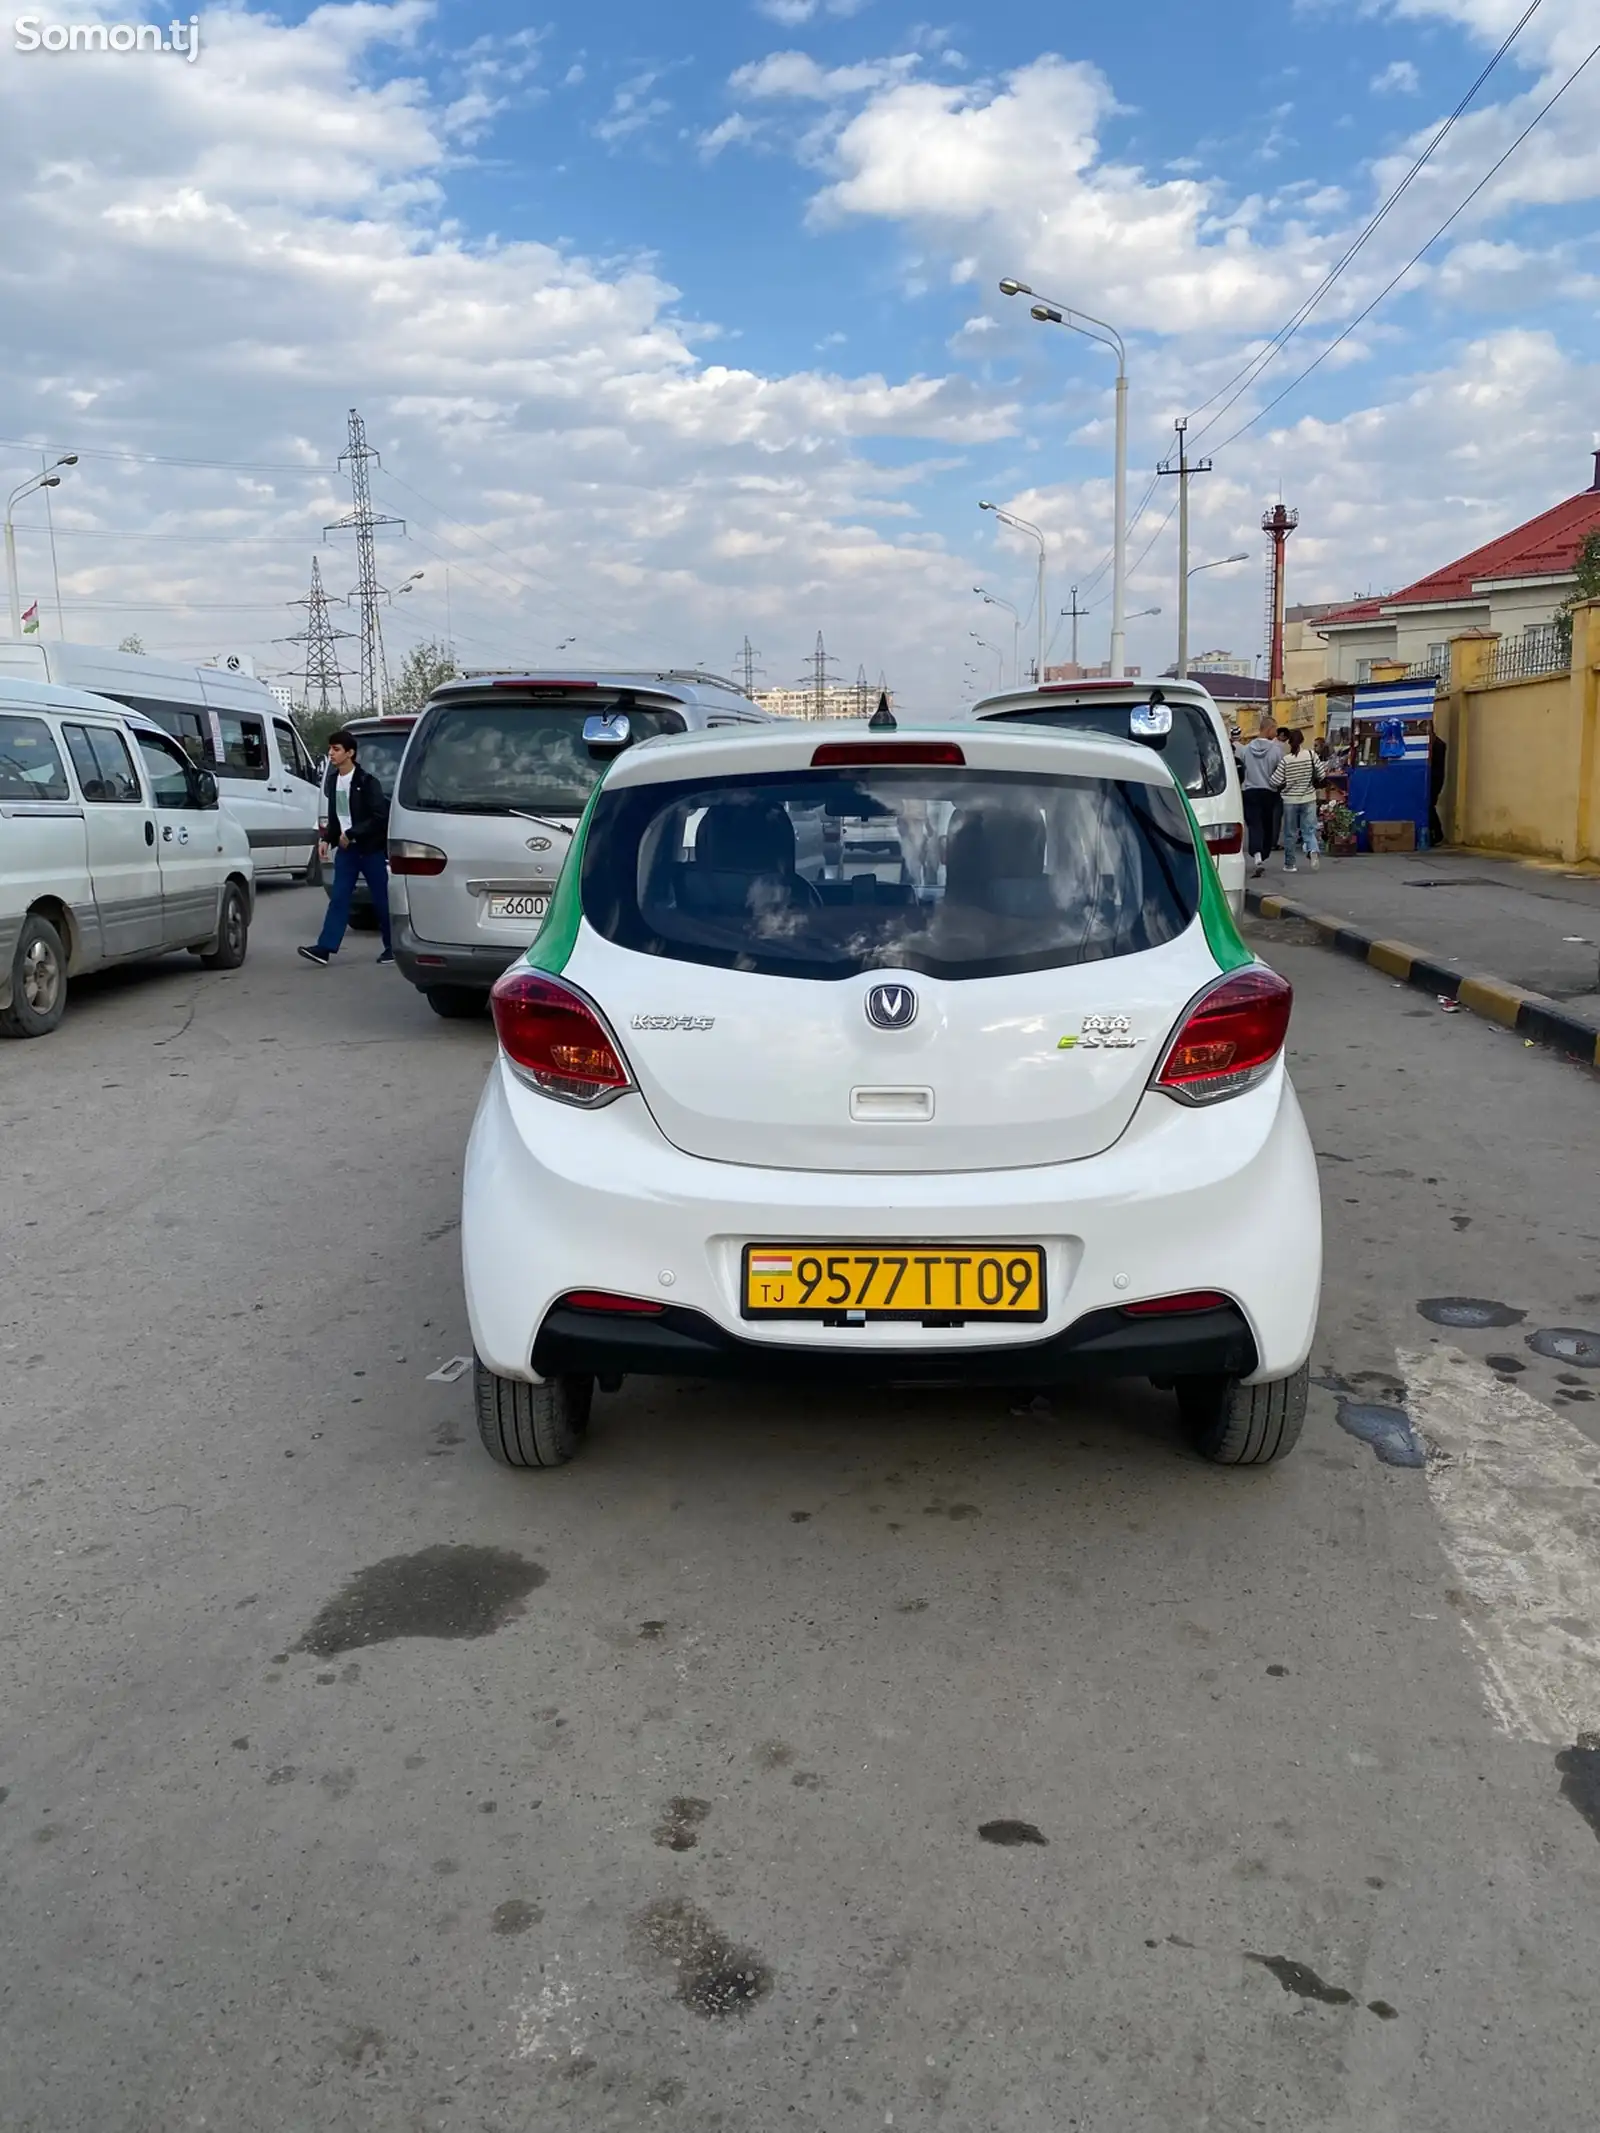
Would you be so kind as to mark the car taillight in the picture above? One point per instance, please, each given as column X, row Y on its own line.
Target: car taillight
column 555, row 1041
column 603, row 1300
column 1223, row 837
column 405, row 857
column 1177, row 1306
column 833, row 754
column 1229, row 1038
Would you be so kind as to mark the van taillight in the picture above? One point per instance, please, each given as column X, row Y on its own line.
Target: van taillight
column 406, row 857
column 1229, row 1038
column 555, row 1041
column 1223, row 837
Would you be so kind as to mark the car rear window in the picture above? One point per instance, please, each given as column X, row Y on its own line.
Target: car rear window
column 487, row 755
column 380, row 754
column 960, row 873
column 1193, row 753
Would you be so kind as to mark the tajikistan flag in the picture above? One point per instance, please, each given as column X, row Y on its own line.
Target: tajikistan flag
column 30, row 619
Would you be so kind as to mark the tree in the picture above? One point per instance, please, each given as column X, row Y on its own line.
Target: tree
column 421, row 672
column 1587, row 588
column 133, row 642
column 314, row 727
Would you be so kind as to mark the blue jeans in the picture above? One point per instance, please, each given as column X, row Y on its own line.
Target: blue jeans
column 349, row 867
column 1299, row 829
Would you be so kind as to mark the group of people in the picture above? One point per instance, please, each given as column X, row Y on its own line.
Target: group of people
column 1283, row 781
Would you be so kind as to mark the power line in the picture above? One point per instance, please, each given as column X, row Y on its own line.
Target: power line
column 1253, row 367
column 1454, row 215
column 161, row 459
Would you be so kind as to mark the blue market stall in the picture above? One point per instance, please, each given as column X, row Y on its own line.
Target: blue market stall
column 1390, row 731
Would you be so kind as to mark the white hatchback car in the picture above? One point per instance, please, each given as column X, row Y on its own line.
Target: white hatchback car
column 1198, row 751
column 1017, row 1115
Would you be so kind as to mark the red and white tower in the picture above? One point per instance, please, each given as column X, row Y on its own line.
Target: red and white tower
column 1280, row 523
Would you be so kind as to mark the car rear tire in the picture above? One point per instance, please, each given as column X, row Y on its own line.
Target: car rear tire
column 232, row 941
column 457, row 1003
column 526, row 1425
column 38, row 981
column 1244, row 1425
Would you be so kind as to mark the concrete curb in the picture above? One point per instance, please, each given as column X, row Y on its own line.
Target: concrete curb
column 1532, row 1014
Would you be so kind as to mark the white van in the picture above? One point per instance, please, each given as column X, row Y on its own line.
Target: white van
column 113, row 848
column 229, row 722
column 495, row 776
column 1197, row 750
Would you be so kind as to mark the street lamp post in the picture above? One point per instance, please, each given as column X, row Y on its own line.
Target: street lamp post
column 1025, row 525
column 30, row 487
column 1219, row 563
column 1050, row 313
column 999, row 657
column 994, row 600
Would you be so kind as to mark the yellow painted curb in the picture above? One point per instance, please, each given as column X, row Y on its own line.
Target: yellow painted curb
column 1488, row 996
column 1393, row 956
column 1272, row 907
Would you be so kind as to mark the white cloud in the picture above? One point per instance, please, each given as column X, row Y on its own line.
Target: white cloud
column 633, row 109
column 1398, row 78
column 734, row 131
column 798, row 75
column 218, row 267
column 791, row 13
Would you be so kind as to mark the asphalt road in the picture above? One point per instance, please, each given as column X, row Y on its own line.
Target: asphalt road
column 691, row 1834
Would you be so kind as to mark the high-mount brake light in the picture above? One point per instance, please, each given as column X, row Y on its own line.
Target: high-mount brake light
column 1179, row 1306
column 1229, row 1037
column 555, row 1041
column 836, row 754
column 543, row 688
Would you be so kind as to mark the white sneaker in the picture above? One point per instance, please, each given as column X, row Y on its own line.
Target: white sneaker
column 1289, row 869
column 1316, row 861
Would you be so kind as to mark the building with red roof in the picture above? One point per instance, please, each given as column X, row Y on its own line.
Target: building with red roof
column 1512, row 585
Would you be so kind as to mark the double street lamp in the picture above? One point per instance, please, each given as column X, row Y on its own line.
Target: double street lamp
column 999, row 657
column 1024, row 525
column 48, row 480
column 994, row 600
column 1050, row 313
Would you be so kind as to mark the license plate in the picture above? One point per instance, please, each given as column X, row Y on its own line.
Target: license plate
column 533, row 905
column 894, row 1281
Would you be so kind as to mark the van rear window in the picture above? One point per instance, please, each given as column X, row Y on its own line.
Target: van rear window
column 1193, row 753
column 488, row 755
column 960, row 873
column 30, row 763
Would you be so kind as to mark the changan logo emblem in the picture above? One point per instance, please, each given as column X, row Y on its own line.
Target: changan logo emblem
column 891, row 1007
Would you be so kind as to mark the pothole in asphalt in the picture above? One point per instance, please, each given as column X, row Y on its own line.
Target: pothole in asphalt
column 1387, row 1429
column 1567, row 1344
column 1469, row 1311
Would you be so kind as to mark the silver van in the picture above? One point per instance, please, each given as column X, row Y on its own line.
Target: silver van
column 113, row 849
column 495, row 776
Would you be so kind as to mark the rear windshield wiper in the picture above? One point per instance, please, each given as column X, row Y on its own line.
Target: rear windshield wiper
column 543, row 821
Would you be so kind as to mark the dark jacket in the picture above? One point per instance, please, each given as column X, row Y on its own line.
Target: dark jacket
column 369, row 810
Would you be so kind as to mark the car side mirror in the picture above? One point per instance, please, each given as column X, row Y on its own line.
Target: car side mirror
column 1151, row 721
column 607, row 734
column 206, row 788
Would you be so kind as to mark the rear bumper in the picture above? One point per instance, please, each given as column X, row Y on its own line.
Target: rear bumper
column 1105, row 1344
column 428, row 963
column 556, row 1200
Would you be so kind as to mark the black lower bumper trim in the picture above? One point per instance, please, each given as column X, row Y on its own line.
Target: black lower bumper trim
column 686, row 1344
column 429, row 963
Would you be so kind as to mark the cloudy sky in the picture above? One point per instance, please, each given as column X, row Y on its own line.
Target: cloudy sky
column 677, row 324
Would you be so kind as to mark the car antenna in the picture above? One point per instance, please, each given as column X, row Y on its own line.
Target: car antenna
column 883, row 718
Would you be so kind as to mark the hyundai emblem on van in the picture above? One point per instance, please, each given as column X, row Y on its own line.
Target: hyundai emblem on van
column 538, row 844
column 891, row 1007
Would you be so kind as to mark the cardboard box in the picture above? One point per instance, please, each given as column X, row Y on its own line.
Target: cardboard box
column 1393, row 836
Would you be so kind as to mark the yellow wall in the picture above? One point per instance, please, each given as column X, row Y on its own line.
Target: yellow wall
column 1524, row 768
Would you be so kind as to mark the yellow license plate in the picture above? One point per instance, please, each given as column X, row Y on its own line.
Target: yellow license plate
column 916, row 1281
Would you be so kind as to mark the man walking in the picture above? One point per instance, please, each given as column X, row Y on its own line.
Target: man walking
column 1301, row 776
column 357, row 830
column 1262, row 780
